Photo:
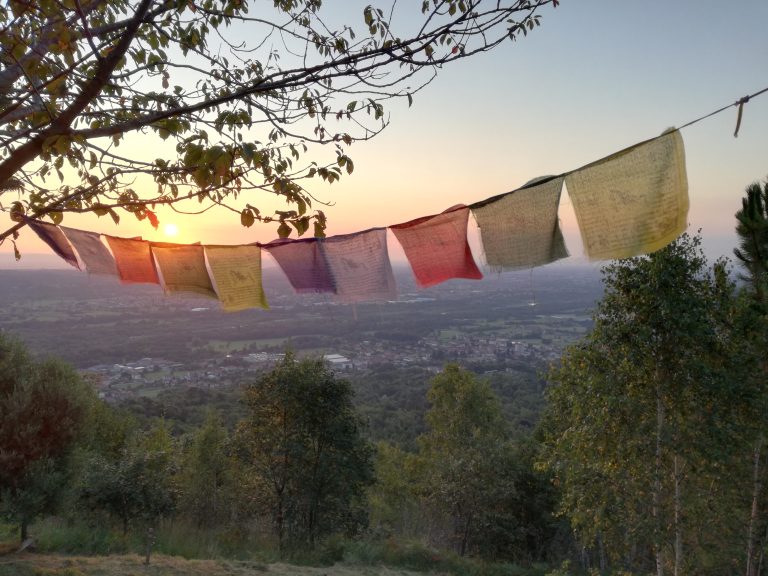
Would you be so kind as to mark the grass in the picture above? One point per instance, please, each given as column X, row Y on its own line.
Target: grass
column 76, row 549
column 415, row 557
column 34, row 564
column 27, row 564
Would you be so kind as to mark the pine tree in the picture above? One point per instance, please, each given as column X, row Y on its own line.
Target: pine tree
column 752, row 230
column 752, row 254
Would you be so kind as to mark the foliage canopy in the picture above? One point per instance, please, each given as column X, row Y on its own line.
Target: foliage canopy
column 303, row 442
column 647, row 413
column 752, row 231
column 233, row 95
column 43, row 407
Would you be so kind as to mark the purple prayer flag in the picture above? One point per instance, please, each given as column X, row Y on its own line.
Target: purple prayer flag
column 304, row 263
column 55, row 238
column 360, row 266
column 92, row 251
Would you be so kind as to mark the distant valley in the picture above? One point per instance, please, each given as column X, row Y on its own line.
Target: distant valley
column 145, row 349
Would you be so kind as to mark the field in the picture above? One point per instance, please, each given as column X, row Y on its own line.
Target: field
column 30, row 564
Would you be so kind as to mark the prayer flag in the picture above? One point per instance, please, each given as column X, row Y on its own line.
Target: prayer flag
column 437, row 248
column 236, row 272
column 92, row 251
column 633, row 202
column 182, row 269
column 134, row 260
column 304, row 263
column 520, row 229
column 360, row 266
column 55, row 239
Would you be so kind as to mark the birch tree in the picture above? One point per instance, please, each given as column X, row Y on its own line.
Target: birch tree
column 645, row 411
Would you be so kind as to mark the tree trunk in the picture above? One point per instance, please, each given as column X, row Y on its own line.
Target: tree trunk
column 601, row 553
column 23, row 530
column 279, row 525
column 214, row 499
column 761, row 555
column 465, row 535
column 678, row 518
column 149, row 543
column 311, row 527
column 656, row 507
column 753, row 516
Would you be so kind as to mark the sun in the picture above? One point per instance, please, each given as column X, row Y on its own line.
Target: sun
column 171, row 229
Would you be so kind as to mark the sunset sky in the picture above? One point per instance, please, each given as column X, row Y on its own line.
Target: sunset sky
column 597, row 76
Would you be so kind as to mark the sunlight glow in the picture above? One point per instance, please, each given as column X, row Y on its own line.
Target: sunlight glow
column 170, row 229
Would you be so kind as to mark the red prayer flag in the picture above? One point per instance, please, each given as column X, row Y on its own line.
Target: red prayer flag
column 437, row 247
column 134, row 260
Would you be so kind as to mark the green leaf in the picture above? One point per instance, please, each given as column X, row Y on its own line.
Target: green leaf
column 17, row 211
column 247, row 218
column 301, row 225
column 283, row 231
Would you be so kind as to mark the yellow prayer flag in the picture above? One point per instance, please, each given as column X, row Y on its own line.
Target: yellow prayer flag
column 520, row 229
column 236, row 272
column 182, row 269
column 633, row 202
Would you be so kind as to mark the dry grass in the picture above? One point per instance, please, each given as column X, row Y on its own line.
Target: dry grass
column 31, row 564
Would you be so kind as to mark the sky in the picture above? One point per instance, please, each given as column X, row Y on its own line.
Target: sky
column 596, row 77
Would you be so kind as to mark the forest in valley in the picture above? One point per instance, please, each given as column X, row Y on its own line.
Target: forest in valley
column 649, row 456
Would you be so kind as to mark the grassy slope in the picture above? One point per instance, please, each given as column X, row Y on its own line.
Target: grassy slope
column 27, row 564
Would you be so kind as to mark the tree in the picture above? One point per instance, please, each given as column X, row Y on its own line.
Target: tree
column 467, row 465
column 645, row 411
column 137, row 486
column 752, row 231
column 43, row 406
column 205, row 473
column 303, row 439
column 752, row 254
column 231, row 116
column 394, row 498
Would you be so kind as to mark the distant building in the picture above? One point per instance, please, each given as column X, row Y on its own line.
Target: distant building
column 264, row 358
column 339, row 362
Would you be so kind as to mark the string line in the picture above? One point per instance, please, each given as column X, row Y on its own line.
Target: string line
column 537, row 182
column 740, row 103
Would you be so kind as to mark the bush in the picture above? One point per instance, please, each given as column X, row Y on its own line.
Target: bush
column 57, row 535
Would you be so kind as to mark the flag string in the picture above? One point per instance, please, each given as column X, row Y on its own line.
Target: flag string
column 522, row 230
column 740, row 103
